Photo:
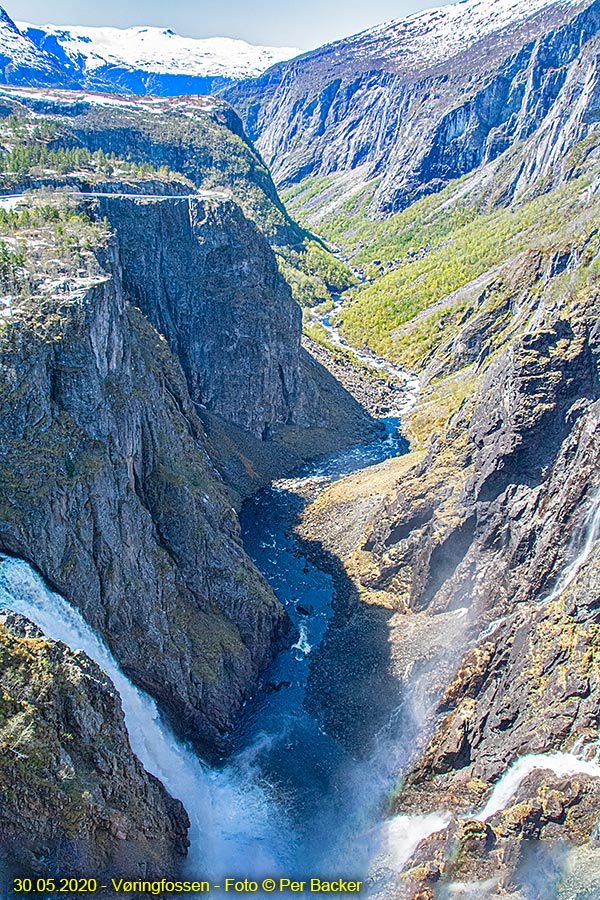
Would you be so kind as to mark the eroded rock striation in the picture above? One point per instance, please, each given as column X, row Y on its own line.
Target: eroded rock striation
column 406, row 107
column 474, row 564
column 207, row 280
column 109, row 490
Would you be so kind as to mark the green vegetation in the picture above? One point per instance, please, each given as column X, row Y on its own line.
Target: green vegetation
column 202, row 148
column 446, row 284
column 203, row 151
column 319, row 333
column 310, row 200
column 25, row 159
column 11, row 266
column 26, row 127
column 40, row 213
column 426, row 223
column 312, row 273
column 300, row 193
column 316, row 332
column 47, row 248
column 440, row 249
column 41, row 146
column 438, row 403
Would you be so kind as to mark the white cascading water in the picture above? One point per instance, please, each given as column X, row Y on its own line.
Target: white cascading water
column 572, row 570
column 403, row 834
column 410, row 381
column 231, row 825
column 565, row 764
column 232, row 816
column 560, row 763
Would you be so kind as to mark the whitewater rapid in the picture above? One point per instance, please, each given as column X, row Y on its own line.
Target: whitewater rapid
column 565, row 764
column 410, row 383
column 239, row 822
column 403, row 833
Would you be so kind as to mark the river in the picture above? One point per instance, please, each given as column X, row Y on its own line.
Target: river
column 310, row 774
column 290, row 800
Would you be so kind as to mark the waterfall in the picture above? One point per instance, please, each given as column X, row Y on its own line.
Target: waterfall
column 229, row 812
column 403, row 834
column 559, row 763
column 572, row 570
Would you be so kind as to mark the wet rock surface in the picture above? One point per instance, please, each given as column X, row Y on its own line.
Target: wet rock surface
column 460, row 556
column 108, row 488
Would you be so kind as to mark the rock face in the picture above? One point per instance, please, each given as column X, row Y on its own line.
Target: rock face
column 109, row 490
column 511, row 435
column 151, row 374
column 475, row 563
column 207, row 280
column 22, row 62
column 415, row 103
column 199, row 137
column 151, row 60
column 74, row 797
column 112, row 381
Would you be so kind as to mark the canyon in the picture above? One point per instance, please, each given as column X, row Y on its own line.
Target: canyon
column 319, row 602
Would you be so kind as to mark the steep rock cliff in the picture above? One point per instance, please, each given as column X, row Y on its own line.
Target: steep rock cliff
column 200, row 137
column 74, row 797
column 459, row 559
column 108, row 489
column 396, row 112
column 207, row 280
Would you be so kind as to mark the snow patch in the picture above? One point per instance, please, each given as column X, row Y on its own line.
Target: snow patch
column 160, row 51
column 189, row 106
column 21, row 50
column 435, row 35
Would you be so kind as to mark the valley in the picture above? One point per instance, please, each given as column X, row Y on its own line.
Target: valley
column 299, row 468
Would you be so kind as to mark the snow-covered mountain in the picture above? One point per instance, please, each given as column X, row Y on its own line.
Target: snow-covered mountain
column 22, row 62
column 139, row 60
column 400, row 109
column 154, row 50
column 436, row 35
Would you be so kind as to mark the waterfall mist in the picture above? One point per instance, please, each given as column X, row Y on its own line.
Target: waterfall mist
column 232, row 827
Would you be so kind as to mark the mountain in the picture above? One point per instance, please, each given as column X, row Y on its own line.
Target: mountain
column 434, row 720
column 187, row 343
column 473, row 583
column 23, row 62
column 397, row 111
column 151, row 60
column 67, row 742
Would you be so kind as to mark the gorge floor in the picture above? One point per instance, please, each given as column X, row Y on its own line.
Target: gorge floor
column 291, row 799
